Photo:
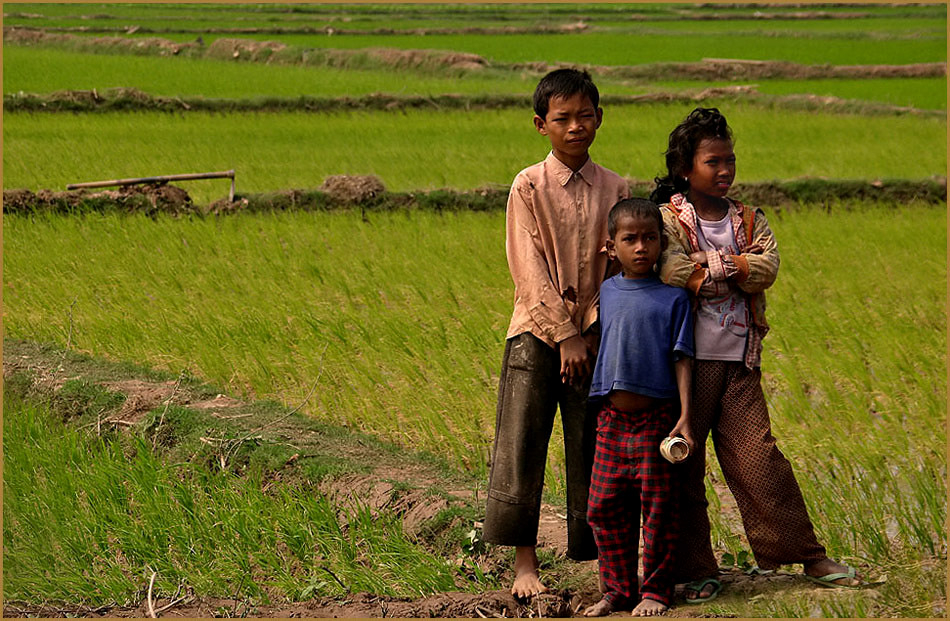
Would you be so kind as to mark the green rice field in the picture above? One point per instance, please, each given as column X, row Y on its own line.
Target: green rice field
column 419, row 149
column 47, row 70
column 615, row 49
column 172, row 519
column 392, row 323
column 422, row 373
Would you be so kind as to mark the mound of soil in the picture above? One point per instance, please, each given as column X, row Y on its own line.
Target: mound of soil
column 148, row 198
column 243, row 49
column 353, row 188
column 724, row 69
column 148, row 45
column 422, row 59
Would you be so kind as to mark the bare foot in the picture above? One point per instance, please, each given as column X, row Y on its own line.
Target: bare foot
column 649, row 608
column 600, row 609
column 826, row 567
column 527, row 580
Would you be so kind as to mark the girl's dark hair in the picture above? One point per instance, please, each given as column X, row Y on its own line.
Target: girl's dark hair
column 634, row 208
column 563, row 83
column 702, row 123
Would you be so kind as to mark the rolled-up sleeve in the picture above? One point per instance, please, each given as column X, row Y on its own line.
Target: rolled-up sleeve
column 758, row 271
column 676, row 268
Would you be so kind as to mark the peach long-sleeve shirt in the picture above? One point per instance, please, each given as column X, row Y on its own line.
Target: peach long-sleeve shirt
column 555, row 233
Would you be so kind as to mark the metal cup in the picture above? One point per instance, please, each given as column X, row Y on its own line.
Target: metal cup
column 674, row 450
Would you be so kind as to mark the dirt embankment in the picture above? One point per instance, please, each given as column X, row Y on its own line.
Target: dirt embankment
column 129, row 99
column 578, row 26
column 369, row 194
column 454, row 62
column 146, row 198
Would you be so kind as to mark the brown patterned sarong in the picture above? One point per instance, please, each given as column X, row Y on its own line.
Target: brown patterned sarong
column 728, row 401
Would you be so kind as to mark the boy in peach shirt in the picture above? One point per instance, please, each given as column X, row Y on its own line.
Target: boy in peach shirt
column 556, row 223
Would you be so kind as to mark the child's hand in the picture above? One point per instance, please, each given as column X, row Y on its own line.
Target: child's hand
column 575, row 362
column 698, row 257
column 592, row 340
column 682, row 428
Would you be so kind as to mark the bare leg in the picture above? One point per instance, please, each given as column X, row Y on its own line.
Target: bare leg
column 649, row 608
column 827, row 566
column 527, row 580
column 600, row 609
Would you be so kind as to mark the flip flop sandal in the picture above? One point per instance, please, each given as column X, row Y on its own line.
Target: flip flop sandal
column 828, row 580
column 699, row 585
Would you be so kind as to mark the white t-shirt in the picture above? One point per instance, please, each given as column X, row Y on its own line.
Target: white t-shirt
column 722, row 323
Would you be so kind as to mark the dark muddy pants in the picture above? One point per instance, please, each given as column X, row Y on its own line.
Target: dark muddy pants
column 530, row 391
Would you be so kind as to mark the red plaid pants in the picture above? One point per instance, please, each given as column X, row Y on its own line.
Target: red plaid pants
column 630, row 477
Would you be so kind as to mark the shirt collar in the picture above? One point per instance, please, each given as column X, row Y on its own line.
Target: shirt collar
column 563, row 173
column 636, row 283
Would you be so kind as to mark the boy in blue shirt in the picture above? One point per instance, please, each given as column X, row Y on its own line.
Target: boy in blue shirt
column 643, row 379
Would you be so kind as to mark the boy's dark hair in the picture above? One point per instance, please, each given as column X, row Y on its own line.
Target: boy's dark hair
column 563, row 83
column 634, row 208
column 702, row 123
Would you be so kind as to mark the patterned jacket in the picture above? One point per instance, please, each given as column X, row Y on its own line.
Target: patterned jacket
column 751, row 272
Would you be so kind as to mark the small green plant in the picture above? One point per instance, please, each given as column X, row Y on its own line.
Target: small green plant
column 469, row 561
column 473, row 544
column 741, row 559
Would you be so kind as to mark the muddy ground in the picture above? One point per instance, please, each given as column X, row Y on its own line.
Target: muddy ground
column 490, row 604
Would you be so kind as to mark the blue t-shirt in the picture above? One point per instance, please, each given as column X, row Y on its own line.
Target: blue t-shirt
column 645, row 326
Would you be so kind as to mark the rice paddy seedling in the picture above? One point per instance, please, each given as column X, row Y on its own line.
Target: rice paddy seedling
column 448, row 13
column 92, row 519
column 872, row 27
column 909, row 35
column 851, row 351
column 605, row 48
column 409, row 348
column 38, row 70
column 397, row 331
column 921, row 93
column 416, row 149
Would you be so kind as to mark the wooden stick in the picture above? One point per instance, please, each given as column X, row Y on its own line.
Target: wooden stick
column 151, row 608
column 159, row 179
column 173, row 603
column 69, row 339
column 181, row 376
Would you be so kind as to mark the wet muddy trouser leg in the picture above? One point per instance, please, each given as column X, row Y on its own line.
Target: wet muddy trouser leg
column 530, row 391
